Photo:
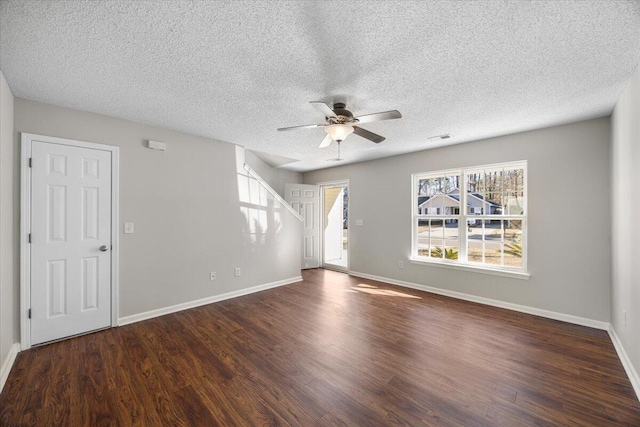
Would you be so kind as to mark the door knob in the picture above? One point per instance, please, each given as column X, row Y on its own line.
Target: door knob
column 103, row 248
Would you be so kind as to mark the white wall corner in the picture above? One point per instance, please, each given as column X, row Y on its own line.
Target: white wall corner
column 7, row 364
column 626, row 362
column 240, row 158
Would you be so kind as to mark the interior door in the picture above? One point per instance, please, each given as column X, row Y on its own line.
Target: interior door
column 304, row 200
column 70, row 241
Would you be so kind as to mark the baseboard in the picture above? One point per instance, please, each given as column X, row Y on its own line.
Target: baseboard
column 626, row 362
column 492, row 302
column 204, row 301
column 7, row 364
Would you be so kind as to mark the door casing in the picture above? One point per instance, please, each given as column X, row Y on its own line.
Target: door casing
column 25, row 226
column 322, row 186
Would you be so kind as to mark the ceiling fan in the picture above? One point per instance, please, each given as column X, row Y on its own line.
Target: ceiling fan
column 340, row 123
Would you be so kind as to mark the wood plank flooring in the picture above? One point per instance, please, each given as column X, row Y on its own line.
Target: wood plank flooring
column 331, row 350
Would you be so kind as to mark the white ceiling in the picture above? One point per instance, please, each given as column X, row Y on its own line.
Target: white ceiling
column 237, row 70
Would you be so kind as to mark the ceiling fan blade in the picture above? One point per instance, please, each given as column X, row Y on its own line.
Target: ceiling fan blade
column 376, row 117
column 302, row 127
column 368, row 135
column 324, row 108
column 326, row 142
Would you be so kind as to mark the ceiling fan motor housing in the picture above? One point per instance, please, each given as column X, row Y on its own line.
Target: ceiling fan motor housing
column 343, row 115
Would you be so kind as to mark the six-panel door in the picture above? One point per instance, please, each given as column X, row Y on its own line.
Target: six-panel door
column 304, row 200
column 70, row 241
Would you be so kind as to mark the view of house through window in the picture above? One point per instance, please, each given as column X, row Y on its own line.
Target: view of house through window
column 473, row 216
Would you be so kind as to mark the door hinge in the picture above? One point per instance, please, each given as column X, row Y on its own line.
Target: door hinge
column 29, row 237
column 29, row 313
column 30, row 161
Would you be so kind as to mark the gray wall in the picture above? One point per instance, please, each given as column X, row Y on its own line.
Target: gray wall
column 185, row 204
column 275, row 177
column 626, row 223
column 569, row 217
column 9, row 328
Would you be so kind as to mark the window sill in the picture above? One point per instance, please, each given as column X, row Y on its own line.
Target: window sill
column 476, row 269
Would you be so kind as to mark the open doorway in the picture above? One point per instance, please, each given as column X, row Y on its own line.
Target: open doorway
column 335, row 225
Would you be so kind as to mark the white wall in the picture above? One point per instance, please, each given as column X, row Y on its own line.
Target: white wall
column 9, row 330
column 569, row 217
column 626, row 221
column 187, row 209
column 275, row 177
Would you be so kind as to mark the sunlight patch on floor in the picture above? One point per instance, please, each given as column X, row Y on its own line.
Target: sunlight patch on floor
column 374, row 290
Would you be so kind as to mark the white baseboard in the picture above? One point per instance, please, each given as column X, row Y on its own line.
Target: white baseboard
column 492, row 302
column 626, row 362
column 7, row 364
column 204, row 301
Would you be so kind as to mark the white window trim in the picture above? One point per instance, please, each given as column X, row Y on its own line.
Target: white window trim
column 472, row 267
column 462, row 263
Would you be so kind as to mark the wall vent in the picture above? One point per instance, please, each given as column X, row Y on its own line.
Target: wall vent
column 439, row 137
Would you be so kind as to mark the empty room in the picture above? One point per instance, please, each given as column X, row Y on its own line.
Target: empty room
column 319, row 213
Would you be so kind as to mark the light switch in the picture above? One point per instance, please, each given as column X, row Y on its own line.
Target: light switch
column 359, row 222
column 128, row 228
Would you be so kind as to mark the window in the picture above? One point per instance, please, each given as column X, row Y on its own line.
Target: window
column 474, row 217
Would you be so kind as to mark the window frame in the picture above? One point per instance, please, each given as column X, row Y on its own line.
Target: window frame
column 462, row 261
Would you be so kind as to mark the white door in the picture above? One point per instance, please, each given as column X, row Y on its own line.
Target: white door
column 304, row 200
column 70, row 247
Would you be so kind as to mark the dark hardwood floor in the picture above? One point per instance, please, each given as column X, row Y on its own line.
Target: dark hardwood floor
column 331, row 350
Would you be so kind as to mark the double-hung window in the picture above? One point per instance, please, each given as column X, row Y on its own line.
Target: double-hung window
column 474, row 217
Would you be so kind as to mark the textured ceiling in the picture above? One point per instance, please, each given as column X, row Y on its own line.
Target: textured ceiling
column 237, row 70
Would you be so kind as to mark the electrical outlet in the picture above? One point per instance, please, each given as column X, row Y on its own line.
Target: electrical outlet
column 624, row 316
column 400, row 264
column 236, row 272
column 212, row 276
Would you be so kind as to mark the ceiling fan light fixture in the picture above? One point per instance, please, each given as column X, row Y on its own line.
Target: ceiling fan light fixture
column 338, row 132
